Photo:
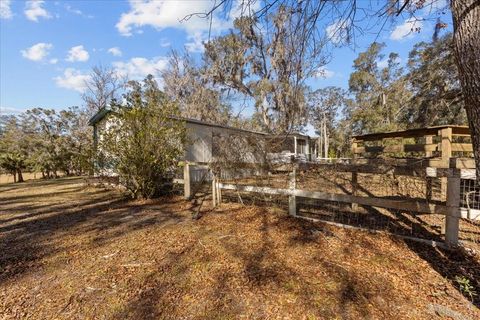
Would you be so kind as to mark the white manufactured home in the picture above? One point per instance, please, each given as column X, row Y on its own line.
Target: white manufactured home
column 202, row 139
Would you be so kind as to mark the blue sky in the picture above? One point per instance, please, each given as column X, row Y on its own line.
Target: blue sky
column 48, row 47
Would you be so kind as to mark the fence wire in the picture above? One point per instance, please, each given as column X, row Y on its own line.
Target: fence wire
column 335, row 180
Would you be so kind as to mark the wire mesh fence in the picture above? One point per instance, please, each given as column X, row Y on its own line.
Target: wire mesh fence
column 470, row 194
column 382, row 184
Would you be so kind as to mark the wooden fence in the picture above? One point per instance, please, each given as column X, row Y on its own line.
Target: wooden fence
column 450, row 209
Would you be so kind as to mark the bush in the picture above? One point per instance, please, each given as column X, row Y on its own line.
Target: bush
column 142, row 141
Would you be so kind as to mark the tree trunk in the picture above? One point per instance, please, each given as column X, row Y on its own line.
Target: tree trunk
column 14, row 176
column 20, row 175
column 466, row 39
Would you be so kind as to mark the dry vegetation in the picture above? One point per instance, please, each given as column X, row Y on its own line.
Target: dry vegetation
column 70, row 251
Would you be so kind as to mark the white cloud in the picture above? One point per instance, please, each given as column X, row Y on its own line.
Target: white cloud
column 241, row 8
column 34, row 10
column 5, row 11
column 37, row 52
column 53, row 61
column 115, row 51
column 72, row 79
column 407, row 29
column 78, row 12
column 195, row 43
column 165, row 43
column 167, row 14
column 338, row 31
column 138, row 68
column 77, row 53
column 323, row 72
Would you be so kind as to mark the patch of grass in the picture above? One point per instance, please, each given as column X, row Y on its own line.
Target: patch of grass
column 466, row 286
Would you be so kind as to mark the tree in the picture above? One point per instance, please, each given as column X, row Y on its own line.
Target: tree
column 102, row 86
column 324, row 107
column 13, row 148
column 58, row 141
column 188, row 86
column 380, row 93
column 433, row 79
column 144, row 142
column 269, row 67
column 77, row 141
column 466, row 39
column 47, row 153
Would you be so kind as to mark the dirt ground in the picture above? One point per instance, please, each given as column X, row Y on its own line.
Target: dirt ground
column 74, row 252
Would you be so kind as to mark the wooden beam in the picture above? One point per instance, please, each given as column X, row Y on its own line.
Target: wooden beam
column 399, row 148
column 404, row 205
column 371, row 169
column 428, row 141
column 443, row 172
column 462, row 163
column 472, row 214
column 423, row 163
column 468, row 174
column 462, row 147
column 413, row 133
column 446, row 143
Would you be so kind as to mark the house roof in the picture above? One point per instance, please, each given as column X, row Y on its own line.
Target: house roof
column 105, row 111
column 99, row 116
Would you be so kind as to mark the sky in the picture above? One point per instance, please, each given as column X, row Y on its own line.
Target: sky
column 47, row 48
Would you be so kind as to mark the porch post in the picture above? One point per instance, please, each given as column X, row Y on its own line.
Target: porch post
column 307, row 146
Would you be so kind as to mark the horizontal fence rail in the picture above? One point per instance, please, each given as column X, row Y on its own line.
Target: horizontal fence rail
column 407, row 205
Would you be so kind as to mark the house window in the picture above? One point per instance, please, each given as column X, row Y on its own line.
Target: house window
column 301, row 146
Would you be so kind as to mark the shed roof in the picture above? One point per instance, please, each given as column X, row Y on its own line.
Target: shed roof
column 99, row 116
column 410, row 133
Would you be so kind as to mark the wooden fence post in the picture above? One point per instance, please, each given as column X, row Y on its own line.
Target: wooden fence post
column 354, row 206
column 446, row 150
column 453, row 212
column 187, row 188
column 219, row 192
column 354, row 182
column 429, row 180
column 214, row 191
column 292, row 199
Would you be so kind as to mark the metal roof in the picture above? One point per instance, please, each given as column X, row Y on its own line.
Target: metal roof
column 104, row 111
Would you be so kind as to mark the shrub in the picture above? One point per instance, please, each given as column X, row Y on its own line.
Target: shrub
column 142, row 141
